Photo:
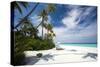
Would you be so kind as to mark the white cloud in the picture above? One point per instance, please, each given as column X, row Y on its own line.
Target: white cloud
column 74, row 15
column 70, row 19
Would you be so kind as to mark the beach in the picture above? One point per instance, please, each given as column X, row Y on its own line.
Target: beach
column 68, row 54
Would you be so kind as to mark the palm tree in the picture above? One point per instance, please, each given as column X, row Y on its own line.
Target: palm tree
column 50, row 31
column 44, row 15
column 49, row 28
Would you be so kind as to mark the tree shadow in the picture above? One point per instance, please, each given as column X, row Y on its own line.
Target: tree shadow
column 34, row 59
column 73, row 50
column 31, row 60
column 48, row 57
column 91, row 55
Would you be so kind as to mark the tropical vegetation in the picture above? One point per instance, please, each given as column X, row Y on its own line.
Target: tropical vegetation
column 26, row 34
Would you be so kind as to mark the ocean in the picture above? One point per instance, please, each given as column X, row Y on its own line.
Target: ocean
column 81, row 45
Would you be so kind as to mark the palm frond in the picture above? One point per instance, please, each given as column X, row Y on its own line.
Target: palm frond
column 24, row 4
column 17, row 6
column 51, row 8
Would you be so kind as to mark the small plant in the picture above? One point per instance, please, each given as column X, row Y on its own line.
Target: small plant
column 39, row 55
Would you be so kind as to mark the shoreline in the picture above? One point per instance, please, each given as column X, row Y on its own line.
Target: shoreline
column 79, row 48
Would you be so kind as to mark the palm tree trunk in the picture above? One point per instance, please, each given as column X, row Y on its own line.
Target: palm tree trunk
column 42, row 32
column 47, row 33
column 42, row 27
column 27, row 15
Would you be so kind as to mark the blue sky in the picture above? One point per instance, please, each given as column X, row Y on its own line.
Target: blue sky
column 71, row 23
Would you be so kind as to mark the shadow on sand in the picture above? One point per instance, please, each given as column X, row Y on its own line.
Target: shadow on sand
column 91, row 55
column 31, row 60
column 34, row 59
column 73, row 50
column 47, row 57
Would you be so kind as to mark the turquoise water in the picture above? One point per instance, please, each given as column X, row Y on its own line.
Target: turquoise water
column 81, row 45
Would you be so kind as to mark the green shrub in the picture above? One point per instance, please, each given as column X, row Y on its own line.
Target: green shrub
column 37, row 44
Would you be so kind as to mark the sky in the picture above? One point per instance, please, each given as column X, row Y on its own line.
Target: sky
column 71, row 23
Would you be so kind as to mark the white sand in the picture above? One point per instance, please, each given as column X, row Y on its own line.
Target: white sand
column 69, row 54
